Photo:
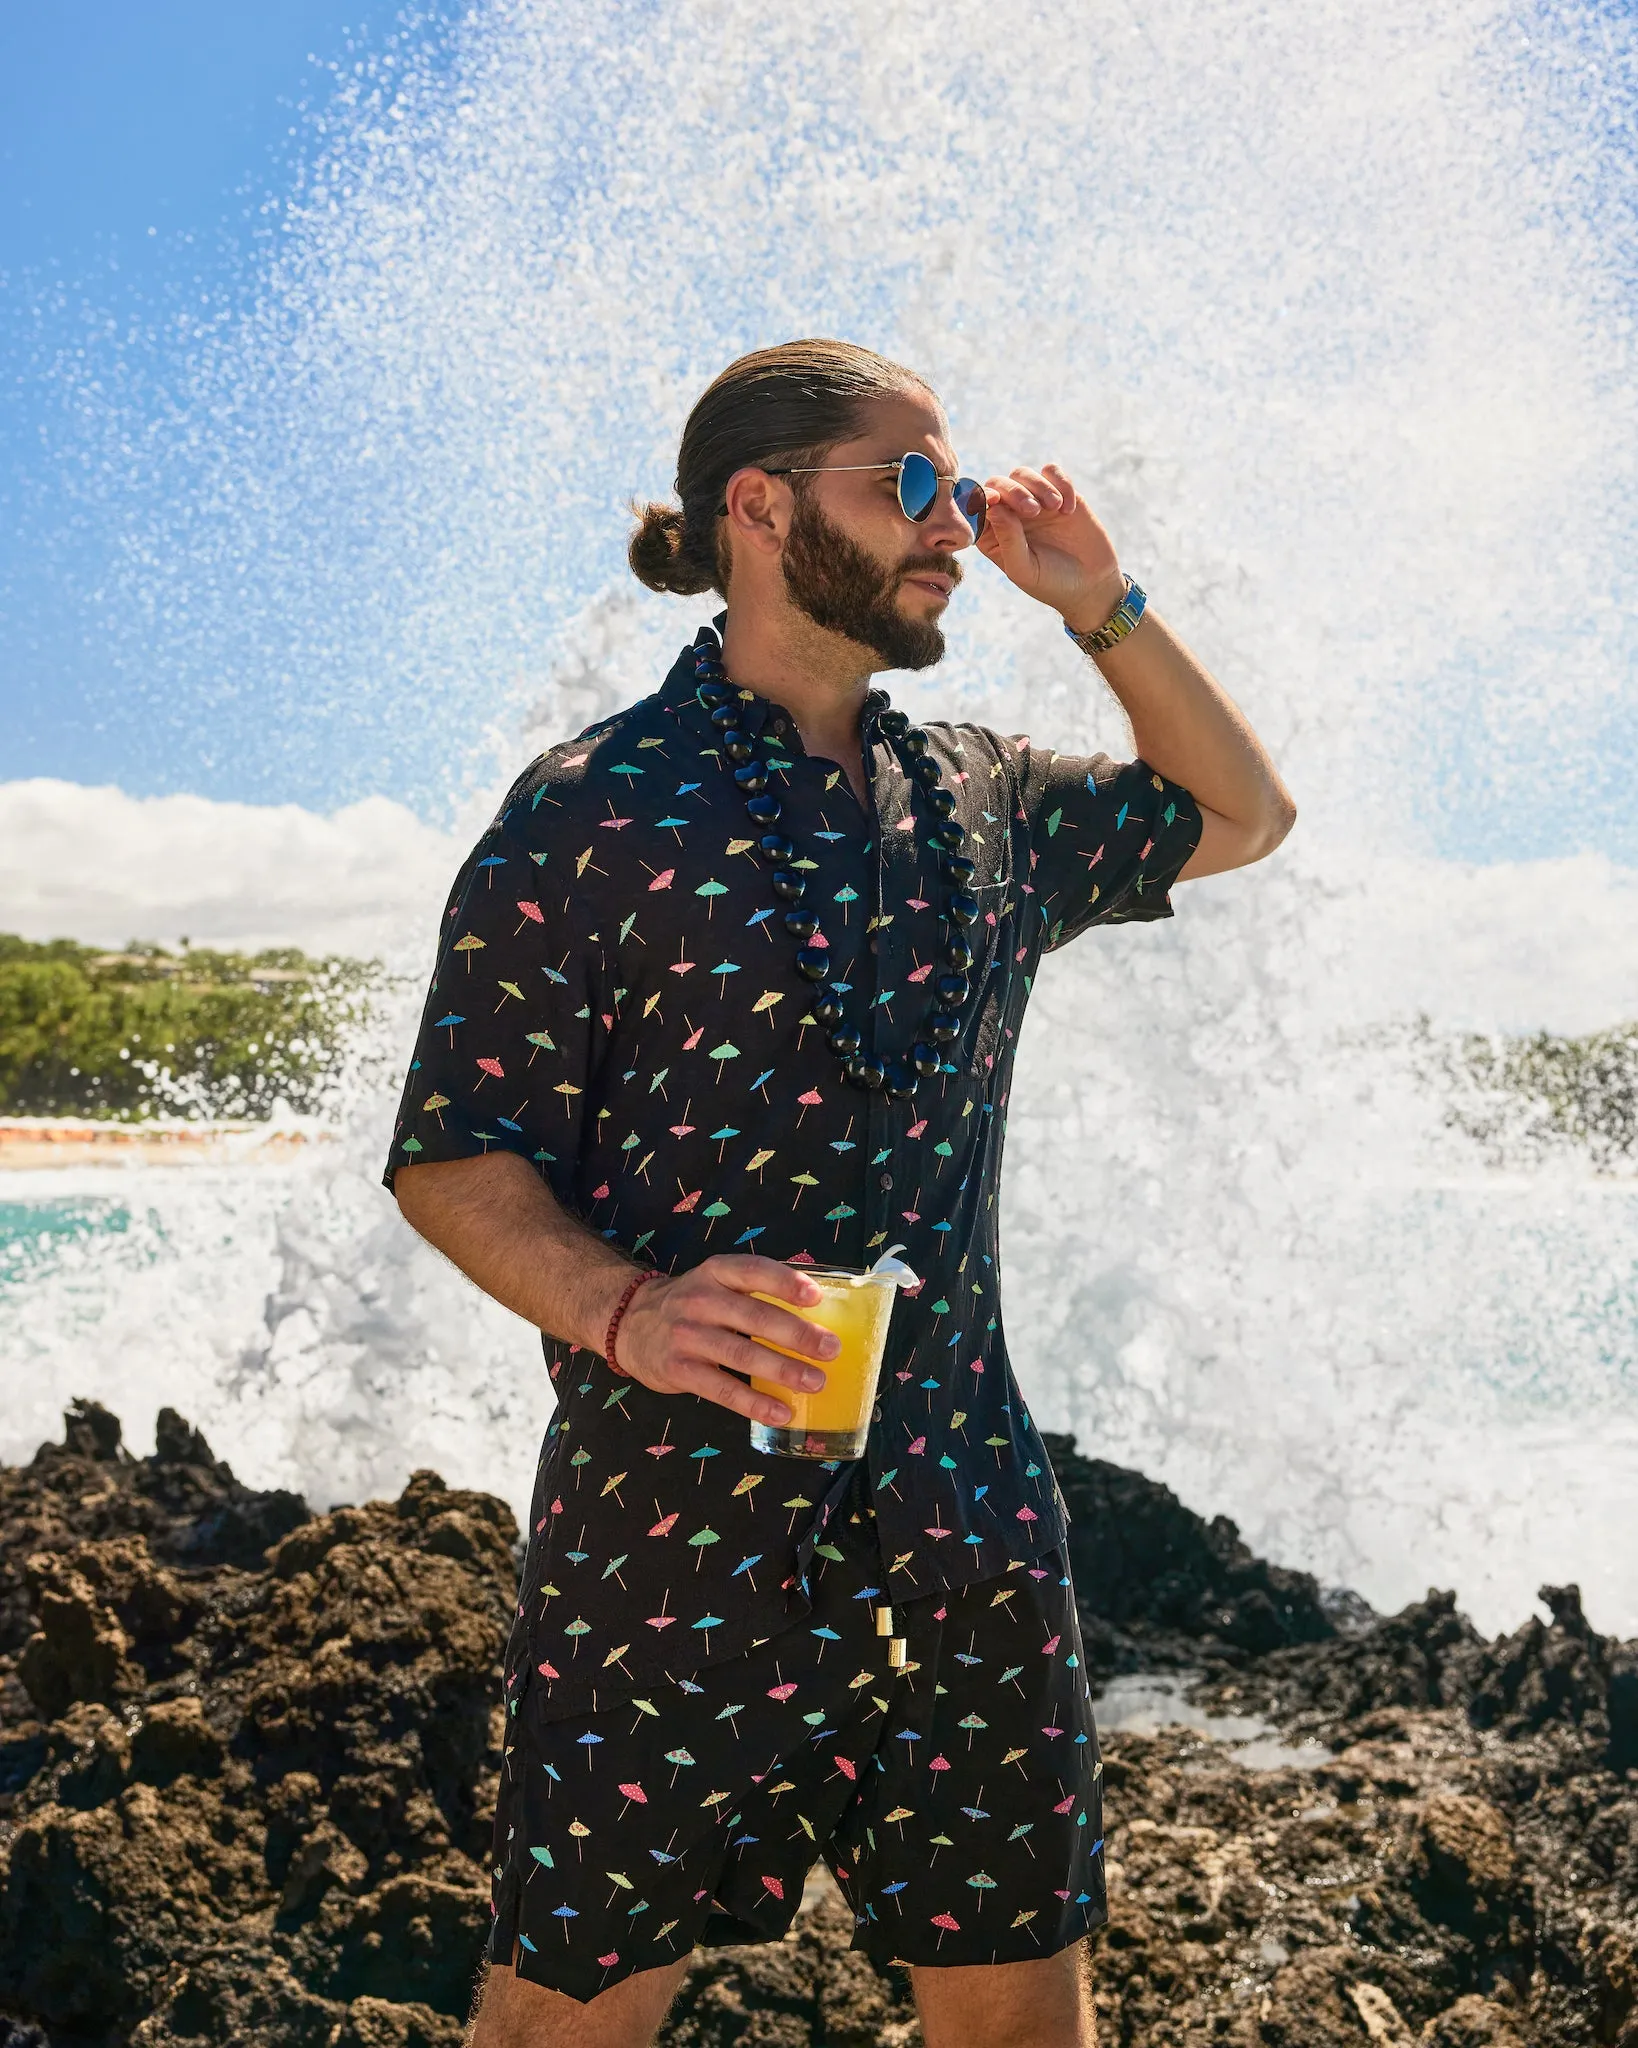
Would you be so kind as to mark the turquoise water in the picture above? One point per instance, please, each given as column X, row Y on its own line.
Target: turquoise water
column 35, row 1233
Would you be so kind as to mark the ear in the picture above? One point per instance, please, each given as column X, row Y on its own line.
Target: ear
column 759, row 508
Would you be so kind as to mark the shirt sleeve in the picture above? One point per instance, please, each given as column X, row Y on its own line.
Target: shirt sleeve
column 1107, row 841
column 504, row 1053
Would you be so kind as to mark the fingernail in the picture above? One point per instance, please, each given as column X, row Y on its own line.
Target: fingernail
column 779, row 1418
column 812, row 1381
column 832, row 1344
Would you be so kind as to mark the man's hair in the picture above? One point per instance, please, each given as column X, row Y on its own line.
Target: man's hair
column 789, row 404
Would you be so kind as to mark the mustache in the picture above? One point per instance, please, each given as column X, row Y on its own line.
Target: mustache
column 923, row 565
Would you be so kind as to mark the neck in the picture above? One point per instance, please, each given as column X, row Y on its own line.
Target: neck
column 820, row 678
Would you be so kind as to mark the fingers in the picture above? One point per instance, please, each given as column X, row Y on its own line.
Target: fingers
column 751, row 1275
column 712, row 1384
column 1032, row 493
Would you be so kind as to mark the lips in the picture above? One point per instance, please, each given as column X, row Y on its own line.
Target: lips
column 940, row 586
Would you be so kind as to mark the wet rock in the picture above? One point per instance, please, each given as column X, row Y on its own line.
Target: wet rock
column 255, row 1805
column 1472, row 2023
column 78, row 1650
column 1464, row 1873
column 1155, row 1582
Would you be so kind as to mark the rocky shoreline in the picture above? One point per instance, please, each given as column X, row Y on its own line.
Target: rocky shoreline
column 246, row 1755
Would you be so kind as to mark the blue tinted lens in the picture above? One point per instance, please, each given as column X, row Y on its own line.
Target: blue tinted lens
column 971, row 503
column 918, row 487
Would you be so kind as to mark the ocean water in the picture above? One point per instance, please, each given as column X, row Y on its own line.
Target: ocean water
column 1326, row 309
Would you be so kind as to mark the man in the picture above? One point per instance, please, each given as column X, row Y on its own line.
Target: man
column 732, row 985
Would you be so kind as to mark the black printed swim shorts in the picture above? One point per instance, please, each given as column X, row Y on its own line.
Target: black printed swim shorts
column 956, row 1800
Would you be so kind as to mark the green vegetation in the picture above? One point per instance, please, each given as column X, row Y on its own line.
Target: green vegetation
column 1527, row 1096
column 146, row 1032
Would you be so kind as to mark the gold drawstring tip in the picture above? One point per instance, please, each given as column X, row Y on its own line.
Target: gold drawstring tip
column 898, row 1653
column 884, row 1621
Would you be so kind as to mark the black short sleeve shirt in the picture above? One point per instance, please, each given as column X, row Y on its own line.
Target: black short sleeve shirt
column 615, row 1000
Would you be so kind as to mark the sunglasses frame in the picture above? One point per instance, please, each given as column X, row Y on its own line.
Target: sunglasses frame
column 960, row 486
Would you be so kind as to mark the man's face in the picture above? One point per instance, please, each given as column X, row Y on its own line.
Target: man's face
column 851, row 559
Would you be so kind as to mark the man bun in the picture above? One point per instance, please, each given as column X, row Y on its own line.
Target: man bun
column 661, row 556
column 773, row 408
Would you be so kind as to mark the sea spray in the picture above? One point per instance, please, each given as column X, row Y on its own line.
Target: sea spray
column 1314, row 306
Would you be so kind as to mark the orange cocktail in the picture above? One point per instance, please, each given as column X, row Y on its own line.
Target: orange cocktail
column 834, row 1422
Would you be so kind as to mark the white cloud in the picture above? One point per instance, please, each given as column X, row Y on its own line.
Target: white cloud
column 103, row 867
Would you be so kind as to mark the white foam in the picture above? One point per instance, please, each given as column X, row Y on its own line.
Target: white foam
column 1317, row 304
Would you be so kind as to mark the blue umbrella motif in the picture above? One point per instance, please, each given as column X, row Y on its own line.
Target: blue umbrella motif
column 448, row 1024
column 698, row 1457
column 844, row 896
column 588, row 1743
column 893, row 1890
column 565, row 1914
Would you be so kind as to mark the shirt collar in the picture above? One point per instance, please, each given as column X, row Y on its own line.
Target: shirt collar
column 757, row 714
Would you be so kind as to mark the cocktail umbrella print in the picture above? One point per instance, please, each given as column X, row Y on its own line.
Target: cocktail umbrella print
column 588, row 1742
column 532, row 914
column 566, row 1089
column 643, row 1707
column 939, row 1765
column 1016, row 1756
column 801, row 1182
column 938, row 1842
column 634, row 1795
column 892, row 1891
column 722, row 1054
column 972, row 1723
column 898, row 1817
column 701, row 1541
column 448, row 1024
column 437, row 1104
column 681, row 1759
column 580, row 1831
column 1021, row 1833
column 469, row 945
column 946, row 1923
column 714, row 1210
column 565, row 1914
column 577, row 1628
column 981, row 1882
column 489, row 1067
column 710, row 891
column 810, row 1098
column 508, row 989
column 699, row 1457
column 542, row 1041
column 542, row 1860
column 796, row 1505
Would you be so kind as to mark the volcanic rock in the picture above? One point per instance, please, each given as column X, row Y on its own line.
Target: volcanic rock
column 248, row 1755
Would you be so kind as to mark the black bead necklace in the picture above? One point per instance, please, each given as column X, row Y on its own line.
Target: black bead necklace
column 952, row 988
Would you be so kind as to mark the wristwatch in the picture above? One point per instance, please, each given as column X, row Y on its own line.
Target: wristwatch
column 1114, row 628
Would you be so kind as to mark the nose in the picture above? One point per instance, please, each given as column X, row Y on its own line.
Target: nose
column 945, row 530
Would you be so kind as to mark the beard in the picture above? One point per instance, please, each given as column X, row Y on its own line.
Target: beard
column 846, row 590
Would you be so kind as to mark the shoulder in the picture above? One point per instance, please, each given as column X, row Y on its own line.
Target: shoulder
column 578, row 778
column 980, row 755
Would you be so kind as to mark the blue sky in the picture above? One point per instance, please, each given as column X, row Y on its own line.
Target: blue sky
column 144, row 157
column 137, row 145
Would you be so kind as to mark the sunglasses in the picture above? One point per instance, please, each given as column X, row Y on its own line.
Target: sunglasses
column 918, row 487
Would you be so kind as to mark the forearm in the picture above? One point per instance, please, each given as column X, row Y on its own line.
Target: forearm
column 1188, row 728
column 498, row 1221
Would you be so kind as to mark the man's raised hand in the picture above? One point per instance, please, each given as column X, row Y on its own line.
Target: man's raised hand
column 1047, row 540
column 693, row 1332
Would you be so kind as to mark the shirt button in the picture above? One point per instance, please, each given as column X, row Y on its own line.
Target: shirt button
column 885, row 1183
column 876, row 1412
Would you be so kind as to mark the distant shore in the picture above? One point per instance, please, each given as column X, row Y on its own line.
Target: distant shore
column 45, row 1143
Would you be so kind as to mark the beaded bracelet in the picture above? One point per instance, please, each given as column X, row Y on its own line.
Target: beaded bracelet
column 615, row 1320
column 1116, row 627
